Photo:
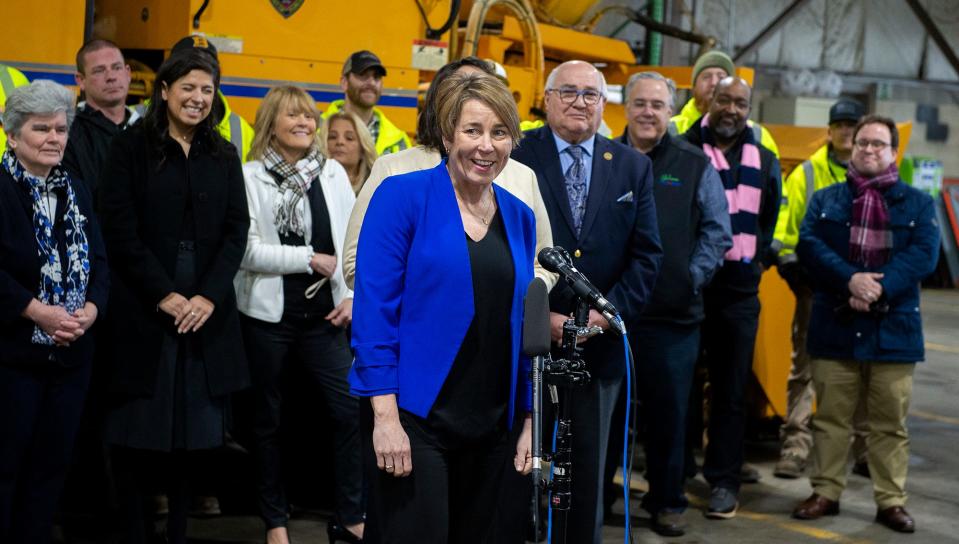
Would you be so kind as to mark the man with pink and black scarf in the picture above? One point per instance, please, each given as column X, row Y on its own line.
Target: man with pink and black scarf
column 751, row 178
column 868, row 243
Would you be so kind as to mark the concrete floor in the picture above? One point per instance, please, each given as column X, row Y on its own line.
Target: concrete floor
column 764, row 507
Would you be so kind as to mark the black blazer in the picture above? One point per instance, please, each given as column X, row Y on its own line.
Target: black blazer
column 142, row 203
column 619, row 249
column 20, row 275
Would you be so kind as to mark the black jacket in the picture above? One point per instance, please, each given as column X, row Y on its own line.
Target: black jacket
column 142, row 204
column 20, row 275
column 88, row 144
column 741, row 277
column 619, row 249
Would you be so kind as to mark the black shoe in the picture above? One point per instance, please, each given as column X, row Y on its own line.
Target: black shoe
column 666, row 523
column 748, row 474
column 337, row 533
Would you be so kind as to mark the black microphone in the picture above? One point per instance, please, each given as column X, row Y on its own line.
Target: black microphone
column 536, row 335
column 553, row 259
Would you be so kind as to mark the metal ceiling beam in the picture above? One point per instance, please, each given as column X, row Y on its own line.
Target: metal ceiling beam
column 933, row 31
column 770, row 29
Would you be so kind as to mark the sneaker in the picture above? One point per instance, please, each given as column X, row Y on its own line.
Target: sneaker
column 666, row 523
column 748, row 474
column 722, row 503
column 790, row 466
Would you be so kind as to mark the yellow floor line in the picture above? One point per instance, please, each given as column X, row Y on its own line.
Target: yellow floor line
column 640, row 485
column 934, row 417
column 942, row 347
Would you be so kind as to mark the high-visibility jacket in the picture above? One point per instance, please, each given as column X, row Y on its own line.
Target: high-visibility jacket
column 817, row 172
column 10, row 79
column 232, row 127
column 681, row 122
column 390, row 139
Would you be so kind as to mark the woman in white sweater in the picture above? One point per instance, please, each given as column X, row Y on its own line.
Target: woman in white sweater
column 293, row 300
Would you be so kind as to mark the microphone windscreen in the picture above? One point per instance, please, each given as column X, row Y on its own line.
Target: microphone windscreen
column 536, row 336
column 551, row 259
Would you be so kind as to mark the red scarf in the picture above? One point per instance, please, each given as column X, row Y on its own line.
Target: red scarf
column 870, row 240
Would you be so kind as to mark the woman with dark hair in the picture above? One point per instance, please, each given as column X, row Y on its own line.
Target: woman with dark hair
column 175, row 221
column 53, row 283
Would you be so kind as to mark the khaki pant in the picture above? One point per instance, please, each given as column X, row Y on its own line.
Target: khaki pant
column 795, row 435
column 887, row 388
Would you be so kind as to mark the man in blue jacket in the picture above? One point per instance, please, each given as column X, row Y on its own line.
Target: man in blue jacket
column 868, row 242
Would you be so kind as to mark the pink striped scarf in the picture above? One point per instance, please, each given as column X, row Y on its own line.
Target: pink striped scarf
column 870, row 240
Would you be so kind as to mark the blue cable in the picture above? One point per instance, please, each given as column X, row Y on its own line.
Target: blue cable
column 626, row 477
column 549, row 496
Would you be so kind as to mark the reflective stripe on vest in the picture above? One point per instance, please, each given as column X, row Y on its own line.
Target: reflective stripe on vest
column 236, row 134
column 673, row 129
column 141, row 109
column 6, row 82
column 810, row 173
column 757, row 132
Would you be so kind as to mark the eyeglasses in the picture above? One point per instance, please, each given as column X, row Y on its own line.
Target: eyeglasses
column 878, row 145
column 568, row 96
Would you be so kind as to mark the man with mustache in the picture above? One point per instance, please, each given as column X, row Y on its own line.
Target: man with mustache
column 104, row 78
column 362, row 82
column 751, row 177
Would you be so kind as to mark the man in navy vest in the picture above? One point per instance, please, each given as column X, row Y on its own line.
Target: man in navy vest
column 751, row 178
column 695, row 233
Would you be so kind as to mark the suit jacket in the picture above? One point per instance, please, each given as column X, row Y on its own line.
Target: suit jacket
column 413, row 298
column 142, row 203
column 618, row 247
column 20, row 275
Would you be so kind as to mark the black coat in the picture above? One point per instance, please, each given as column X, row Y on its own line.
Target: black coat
column 88, row 145
column 20, row 275
column 619, row 248
column 142, row 205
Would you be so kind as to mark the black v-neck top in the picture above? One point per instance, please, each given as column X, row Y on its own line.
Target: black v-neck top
column 472, row 405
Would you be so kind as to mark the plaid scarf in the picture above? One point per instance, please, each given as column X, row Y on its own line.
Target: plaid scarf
column 870, row 240
column 289, row 210
column 743, row 191
column 56, row 288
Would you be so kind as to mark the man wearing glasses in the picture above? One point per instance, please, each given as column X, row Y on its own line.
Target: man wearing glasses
column 750, row 175
column 868, row 243
column 598, row 195
column 695, row 234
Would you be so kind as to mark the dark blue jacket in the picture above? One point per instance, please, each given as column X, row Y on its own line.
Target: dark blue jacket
column 20, row 275
column 837, row 332
column 413, row 298
column 618, row 247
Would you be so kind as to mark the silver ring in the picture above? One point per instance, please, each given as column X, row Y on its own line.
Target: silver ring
column 389, row 467
column 193, row 314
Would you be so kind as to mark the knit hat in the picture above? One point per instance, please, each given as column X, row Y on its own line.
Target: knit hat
column 713, row 59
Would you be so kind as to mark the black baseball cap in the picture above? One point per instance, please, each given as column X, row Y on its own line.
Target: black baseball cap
column 194, row 41
column 846, row 109
column 361, row 61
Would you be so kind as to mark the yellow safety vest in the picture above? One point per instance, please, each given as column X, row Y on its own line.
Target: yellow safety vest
column 817, row 172
column 688, row 116
column 390, row 139
column 10, row 79
column 232, row 127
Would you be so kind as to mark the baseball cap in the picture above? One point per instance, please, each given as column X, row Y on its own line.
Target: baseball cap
column 194, row 41
column 846, row 109
column 361, row 61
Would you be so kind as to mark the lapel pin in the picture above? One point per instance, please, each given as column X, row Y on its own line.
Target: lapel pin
column 608, row 156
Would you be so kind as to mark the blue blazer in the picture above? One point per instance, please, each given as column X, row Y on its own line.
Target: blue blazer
column 413, row 297
column 618, row 247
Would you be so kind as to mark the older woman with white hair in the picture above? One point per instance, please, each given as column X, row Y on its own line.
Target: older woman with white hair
column 53, row 280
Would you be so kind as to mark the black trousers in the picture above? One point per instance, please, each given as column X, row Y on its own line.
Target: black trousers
column 323, row 349
column 449, row 497
column 729, row 338
column 39, row 416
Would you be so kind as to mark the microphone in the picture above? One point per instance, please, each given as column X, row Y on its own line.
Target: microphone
column 536, row 334
column 555, row 259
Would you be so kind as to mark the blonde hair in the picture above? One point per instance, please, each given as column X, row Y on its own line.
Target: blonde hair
column 276, row 102
column 457, row 89
column 365, row 139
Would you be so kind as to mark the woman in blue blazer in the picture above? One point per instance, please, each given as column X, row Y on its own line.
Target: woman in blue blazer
column 443, row 262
